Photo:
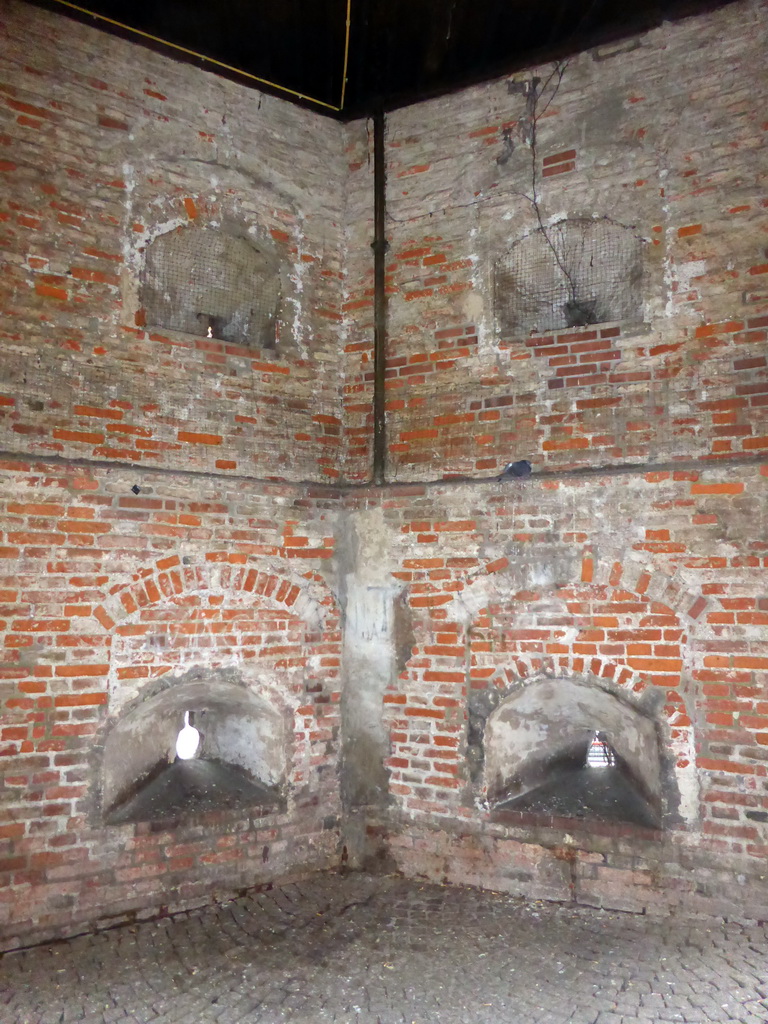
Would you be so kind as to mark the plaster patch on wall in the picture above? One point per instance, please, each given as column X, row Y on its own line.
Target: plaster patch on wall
column 687, row 272
column 296, row 299
column 474, row 304
column 371, row 649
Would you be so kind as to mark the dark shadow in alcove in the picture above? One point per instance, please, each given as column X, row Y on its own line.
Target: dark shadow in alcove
column 194, row 787
column 599, row 794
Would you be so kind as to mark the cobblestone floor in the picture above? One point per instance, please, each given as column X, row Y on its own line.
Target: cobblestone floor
column 381, row 950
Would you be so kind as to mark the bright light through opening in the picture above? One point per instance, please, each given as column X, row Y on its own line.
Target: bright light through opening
column 600, row 753
column 187, row 741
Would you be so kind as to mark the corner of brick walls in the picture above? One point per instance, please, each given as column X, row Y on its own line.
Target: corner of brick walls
column 357, row 394
column 659, row 574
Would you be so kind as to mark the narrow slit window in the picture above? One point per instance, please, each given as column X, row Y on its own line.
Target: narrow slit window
column 600, row 753
column 572, row 749
column 188, row 740
column 193, row 748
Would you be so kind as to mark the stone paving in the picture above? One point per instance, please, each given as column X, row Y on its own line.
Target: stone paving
column 365, row 949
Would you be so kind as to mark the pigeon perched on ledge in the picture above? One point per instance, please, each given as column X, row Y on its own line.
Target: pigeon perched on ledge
column 518, row 469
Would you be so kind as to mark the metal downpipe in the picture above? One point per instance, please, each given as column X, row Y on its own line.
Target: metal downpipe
column 380, row 246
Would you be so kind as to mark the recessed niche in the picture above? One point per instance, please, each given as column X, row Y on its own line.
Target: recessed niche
column 573, row 273
column 212, row 284
column 572, row 749
column 151, row 771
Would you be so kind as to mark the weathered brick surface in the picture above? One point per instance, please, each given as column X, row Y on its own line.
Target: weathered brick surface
column 103, row 593
column 103, row 147
column 115, row 576
column 666, row 134
column 357, row 327
column 614, row 592
column 649, row 581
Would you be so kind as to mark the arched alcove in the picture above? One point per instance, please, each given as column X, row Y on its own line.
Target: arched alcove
column 577, row 271
column 212, row 283
column 240, row 761
column 537, row 745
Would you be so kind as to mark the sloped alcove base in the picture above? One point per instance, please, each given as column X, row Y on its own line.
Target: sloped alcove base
column 187, row 788
column 598, row 794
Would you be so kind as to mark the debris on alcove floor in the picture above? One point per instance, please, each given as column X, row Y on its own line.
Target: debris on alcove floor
column 602, row 794
column 193, row 787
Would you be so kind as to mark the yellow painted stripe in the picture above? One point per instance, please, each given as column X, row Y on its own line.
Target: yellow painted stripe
column 221, row 64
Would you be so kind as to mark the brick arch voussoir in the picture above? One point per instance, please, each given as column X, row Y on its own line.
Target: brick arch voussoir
column 217, row 572
column 486, row 586
column 657, row 586
column 524, row 667
column 527, row 668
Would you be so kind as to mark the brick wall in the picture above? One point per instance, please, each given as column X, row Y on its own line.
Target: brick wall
column 115, row 581
column 663, row 133
column 357, row 394
column 104, row 594
column 649, row 583
column 103, row 147
column 154, row 522
column 646, row 582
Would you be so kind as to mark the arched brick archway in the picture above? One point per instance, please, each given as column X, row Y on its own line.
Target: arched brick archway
column 237, row 727
column 222, row 634
column 172, row 577
column 537, row 741
column 623, row 626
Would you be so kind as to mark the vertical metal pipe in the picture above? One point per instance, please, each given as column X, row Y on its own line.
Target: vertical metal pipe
column 380, row 247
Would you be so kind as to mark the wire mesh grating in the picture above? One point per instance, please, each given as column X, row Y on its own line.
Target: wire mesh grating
column 208, row 283
column 573, row 273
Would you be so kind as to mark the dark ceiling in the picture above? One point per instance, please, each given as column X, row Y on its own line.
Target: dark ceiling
column 394, row 51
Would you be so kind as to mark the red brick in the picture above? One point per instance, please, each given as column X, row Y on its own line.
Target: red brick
column 194, row 438
column 730, row 487
column 559, row 158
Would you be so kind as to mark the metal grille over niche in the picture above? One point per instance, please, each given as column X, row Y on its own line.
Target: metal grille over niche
column 572, row 273
column 212, row 284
